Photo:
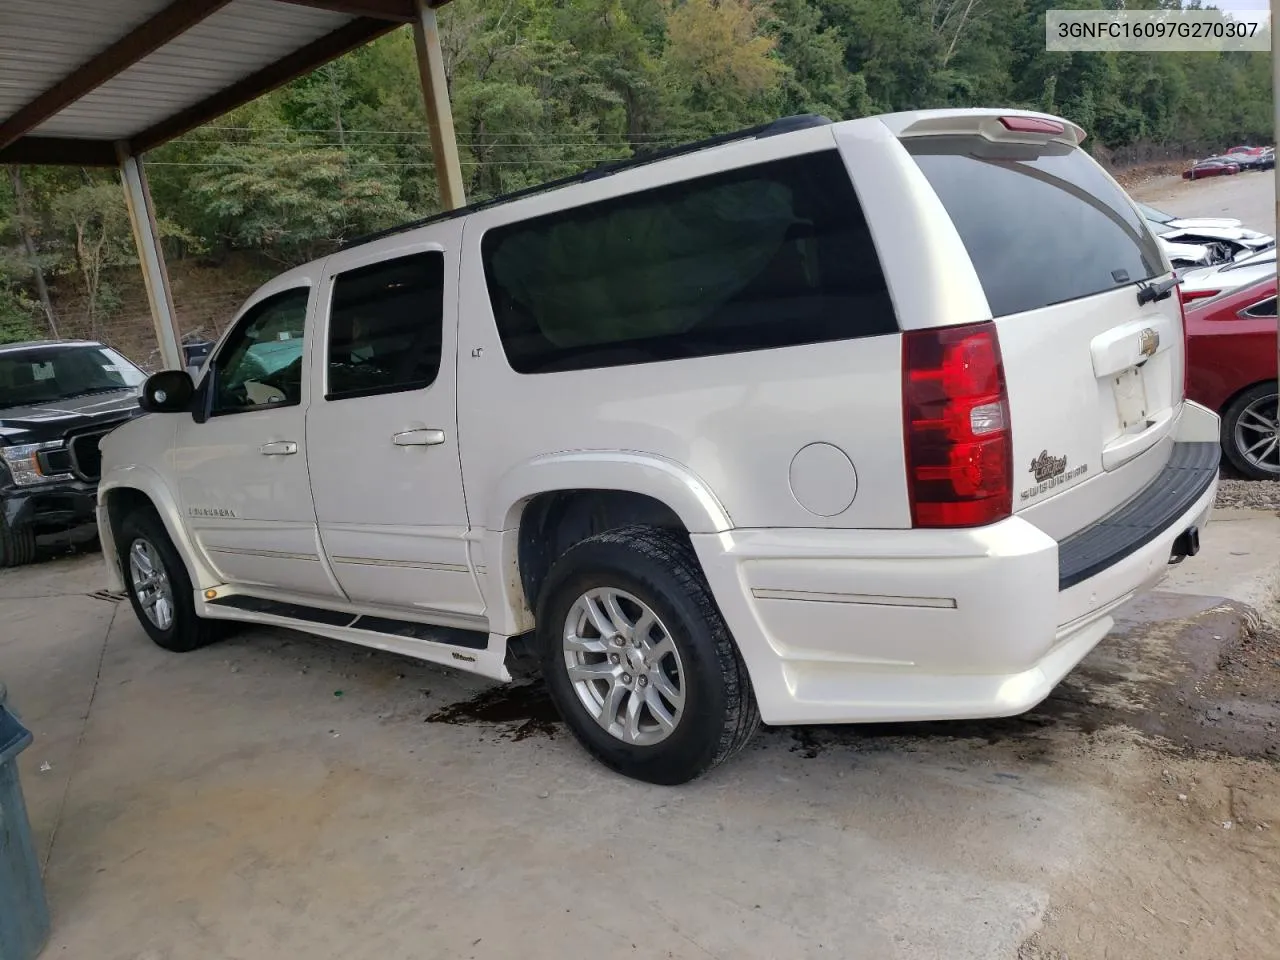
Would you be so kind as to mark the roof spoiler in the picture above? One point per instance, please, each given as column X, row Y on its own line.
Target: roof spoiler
column 1000, row 126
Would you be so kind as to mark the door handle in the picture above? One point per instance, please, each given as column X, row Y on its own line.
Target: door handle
column 278, row 448
column 418, row 438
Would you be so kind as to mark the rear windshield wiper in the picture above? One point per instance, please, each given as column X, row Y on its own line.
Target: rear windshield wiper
column 1155, row 292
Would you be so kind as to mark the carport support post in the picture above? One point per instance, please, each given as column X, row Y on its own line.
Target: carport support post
column 146, row 238
column 435, row 95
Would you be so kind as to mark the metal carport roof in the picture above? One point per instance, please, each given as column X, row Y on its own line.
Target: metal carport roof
column 99, row 82
column 79, row 76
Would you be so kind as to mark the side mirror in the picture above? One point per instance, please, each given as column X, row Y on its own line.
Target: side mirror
column 168, row 391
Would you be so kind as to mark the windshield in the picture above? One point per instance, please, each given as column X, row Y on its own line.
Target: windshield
column 59, row 372
column 1151, row 213
column 1042, row 223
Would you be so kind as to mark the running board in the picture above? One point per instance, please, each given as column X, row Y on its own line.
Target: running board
column 385, row 626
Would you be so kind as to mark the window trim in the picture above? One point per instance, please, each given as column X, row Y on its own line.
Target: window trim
column 331, row 281
column 208, row 383
column 1247, row 312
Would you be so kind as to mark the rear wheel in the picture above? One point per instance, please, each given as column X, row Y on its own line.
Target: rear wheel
column 17, row 544
column 638, row 659
column 1251, row 433
column 159, row 586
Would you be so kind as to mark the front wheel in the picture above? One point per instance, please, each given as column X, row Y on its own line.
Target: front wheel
column 1251, row 432
column 159, row 587
column 639, row 661
column 17, row 544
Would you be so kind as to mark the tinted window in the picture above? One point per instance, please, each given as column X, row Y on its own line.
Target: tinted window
column 767, row 256
column 1042, row 223
column 1267, row 308
column 260, row 364
column 384, row 327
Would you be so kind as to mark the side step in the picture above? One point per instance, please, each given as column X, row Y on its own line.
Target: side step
column 451, row 636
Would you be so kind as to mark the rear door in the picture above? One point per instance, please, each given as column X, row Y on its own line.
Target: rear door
column 1094, row 375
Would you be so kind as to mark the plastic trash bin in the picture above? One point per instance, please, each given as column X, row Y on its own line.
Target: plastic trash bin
column 24, row 912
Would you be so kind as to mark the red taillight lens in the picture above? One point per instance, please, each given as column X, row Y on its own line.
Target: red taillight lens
column 956, row 416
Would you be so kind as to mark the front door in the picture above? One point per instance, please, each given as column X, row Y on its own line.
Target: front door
column 383, row 445
column 241, row 468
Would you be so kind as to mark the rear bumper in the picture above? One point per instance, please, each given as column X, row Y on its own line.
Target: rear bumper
column 881, row 625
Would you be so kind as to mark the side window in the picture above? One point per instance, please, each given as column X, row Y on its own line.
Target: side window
column 773, row 255
column 1264, row 308
column 260, row 365
column 385, row 323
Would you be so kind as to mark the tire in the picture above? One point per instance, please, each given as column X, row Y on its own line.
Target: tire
column 181, row 631
column 17, row 545
column 687, row 650
column 1244, row 427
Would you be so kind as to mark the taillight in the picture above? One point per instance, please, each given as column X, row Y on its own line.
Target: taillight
column 956, row 416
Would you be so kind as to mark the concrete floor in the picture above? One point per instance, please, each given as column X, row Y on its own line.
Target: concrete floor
column 278, row 795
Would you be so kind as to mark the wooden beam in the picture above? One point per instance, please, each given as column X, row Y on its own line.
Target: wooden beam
column 315, row 54
column 146, row 237
column 59, row 151
column 435, row 98
column 401, row 11
column 169, row 23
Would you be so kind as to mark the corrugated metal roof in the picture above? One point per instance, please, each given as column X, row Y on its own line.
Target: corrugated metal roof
column 76, row 75
column 42, row 42
column 241, row 38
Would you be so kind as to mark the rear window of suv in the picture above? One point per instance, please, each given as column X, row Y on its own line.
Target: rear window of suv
column 773, row 255
column 1042, row 223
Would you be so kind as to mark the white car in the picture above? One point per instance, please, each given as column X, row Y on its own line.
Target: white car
column 1222, row 238
column 814, row 423
column 1201, row 284
column 1190, row 256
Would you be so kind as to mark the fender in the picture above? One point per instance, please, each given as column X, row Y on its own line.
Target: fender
column 655, row 476
column 147, row 481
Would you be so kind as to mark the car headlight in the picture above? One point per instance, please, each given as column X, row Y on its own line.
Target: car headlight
column 23, row 461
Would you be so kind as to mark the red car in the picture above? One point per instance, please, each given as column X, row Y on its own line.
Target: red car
column 1231, row 368
column 1213, row 167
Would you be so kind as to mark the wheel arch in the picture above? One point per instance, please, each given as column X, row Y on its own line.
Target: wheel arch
column 143, row 488
column 554, row 501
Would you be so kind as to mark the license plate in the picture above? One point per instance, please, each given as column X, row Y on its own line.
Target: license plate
column 1131, row 398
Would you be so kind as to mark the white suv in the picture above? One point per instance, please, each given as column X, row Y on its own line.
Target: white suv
column 815, row 423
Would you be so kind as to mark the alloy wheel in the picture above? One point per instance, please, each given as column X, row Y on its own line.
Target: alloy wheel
column 151, row 583
column 624, row 666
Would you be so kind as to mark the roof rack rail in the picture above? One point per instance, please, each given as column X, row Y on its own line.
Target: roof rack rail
column 760, row 132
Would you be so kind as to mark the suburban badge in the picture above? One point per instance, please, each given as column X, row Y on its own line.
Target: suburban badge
column 1051, row 472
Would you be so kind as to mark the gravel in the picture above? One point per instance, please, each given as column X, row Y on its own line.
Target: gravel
column 1250, row 494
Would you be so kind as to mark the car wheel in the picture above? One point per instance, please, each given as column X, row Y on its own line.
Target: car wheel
column 639, row 661
column 159, row 586
column 1250, row 435
column 17, row 544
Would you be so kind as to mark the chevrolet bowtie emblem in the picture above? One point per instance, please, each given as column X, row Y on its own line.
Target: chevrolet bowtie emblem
column 1148, row 342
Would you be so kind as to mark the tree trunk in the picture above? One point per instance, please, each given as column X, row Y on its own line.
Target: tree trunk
column 42, row 288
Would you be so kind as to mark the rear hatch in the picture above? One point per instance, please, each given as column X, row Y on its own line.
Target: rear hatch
column 1095, row 376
